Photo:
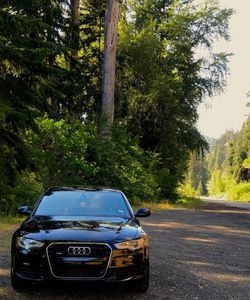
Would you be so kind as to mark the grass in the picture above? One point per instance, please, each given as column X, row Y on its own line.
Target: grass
column 185, row 202
column 7, row 222
column 190, row 202
column 155, row 206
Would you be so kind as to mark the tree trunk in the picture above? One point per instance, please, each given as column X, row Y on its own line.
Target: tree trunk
column 74, row 41
column 110, row 46
column 75, row 18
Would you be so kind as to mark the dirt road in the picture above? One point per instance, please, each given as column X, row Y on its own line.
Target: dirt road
column 234, row 204
column 195, row 254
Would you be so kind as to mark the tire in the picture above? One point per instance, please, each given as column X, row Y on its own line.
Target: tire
column 18, row 284
column 142, row 285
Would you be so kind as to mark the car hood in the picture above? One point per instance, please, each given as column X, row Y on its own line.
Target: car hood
column 87, row 229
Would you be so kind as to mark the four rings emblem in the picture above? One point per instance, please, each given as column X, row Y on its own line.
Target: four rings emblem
column 77, row 250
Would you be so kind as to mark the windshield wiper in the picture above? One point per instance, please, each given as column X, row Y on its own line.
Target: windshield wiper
column 123, row 224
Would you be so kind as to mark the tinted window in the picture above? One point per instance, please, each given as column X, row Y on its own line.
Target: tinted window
column 83, row 203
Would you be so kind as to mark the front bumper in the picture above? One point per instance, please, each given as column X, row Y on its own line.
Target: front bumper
column 122, row 266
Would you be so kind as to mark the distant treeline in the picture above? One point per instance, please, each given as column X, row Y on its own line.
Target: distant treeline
column 224, row 170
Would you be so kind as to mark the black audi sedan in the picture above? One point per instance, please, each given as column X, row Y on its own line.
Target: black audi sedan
column 81, row 235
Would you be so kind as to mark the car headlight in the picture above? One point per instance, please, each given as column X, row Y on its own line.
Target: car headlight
column 131, row 245
column 28, row 244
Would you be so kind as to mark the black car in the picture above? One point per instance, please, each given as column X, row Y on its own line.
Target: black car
column 80, row 234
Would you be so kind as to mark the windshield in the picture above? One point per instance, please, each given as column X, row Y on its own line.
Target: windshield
column 83, row 203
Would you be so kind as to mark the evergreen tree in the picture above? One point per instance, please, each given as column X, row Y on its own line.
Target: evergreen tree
column 161, row 81
column 30, row 35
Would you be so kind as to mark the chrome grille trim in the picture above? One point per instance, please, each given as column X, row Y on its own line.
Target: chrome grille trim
column 79, row 243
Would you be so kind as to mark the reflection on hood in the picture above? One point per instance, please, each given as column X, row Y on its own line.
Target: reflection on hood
column 50, row 223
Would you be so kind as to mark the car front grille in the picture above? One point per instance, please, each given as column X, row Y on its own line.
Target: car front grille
column 78, row 265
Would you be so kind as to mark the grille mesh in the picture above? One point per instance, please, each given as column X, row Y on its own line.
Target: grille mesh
column 65, row 265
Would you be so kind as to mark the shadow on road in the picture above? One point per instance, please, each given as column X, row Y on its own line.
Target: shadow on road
column 206, row 253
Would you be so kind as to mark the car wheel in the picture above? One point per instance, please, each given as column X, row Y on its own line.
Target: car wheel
column 18, row 284
column 142, row 284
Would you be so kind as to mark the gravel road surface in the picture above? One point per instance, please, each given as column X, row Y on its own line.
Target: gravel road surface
column 195, row 254
column 236, row 204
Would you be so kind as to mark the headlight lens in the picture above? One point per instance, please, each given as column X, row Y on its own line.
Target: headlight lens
column 28, row 244
column 131, row 245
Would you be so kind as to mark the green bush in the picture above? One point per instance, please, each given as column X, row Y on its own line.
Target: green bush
column 26, row 191
column 71, row 153
column 240, row 192
column 186, row 190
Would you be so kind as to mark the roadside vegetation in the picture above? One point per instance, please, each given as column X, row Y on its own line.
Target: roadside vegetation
column 218, row 173
column 7, row 222
column 51, row 85
column 186, row 203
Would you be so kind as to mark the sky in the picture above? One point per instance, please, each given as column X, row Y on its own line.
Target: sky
column 228, row 110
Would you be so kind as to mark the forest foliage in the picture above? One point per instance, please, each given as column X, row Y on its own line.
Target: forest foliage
column 216, row 174
column 50, row 98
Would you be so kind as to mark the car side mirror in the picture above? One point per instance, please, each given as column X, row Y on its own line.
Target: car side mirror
column 143, row 213
column 24, row 210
